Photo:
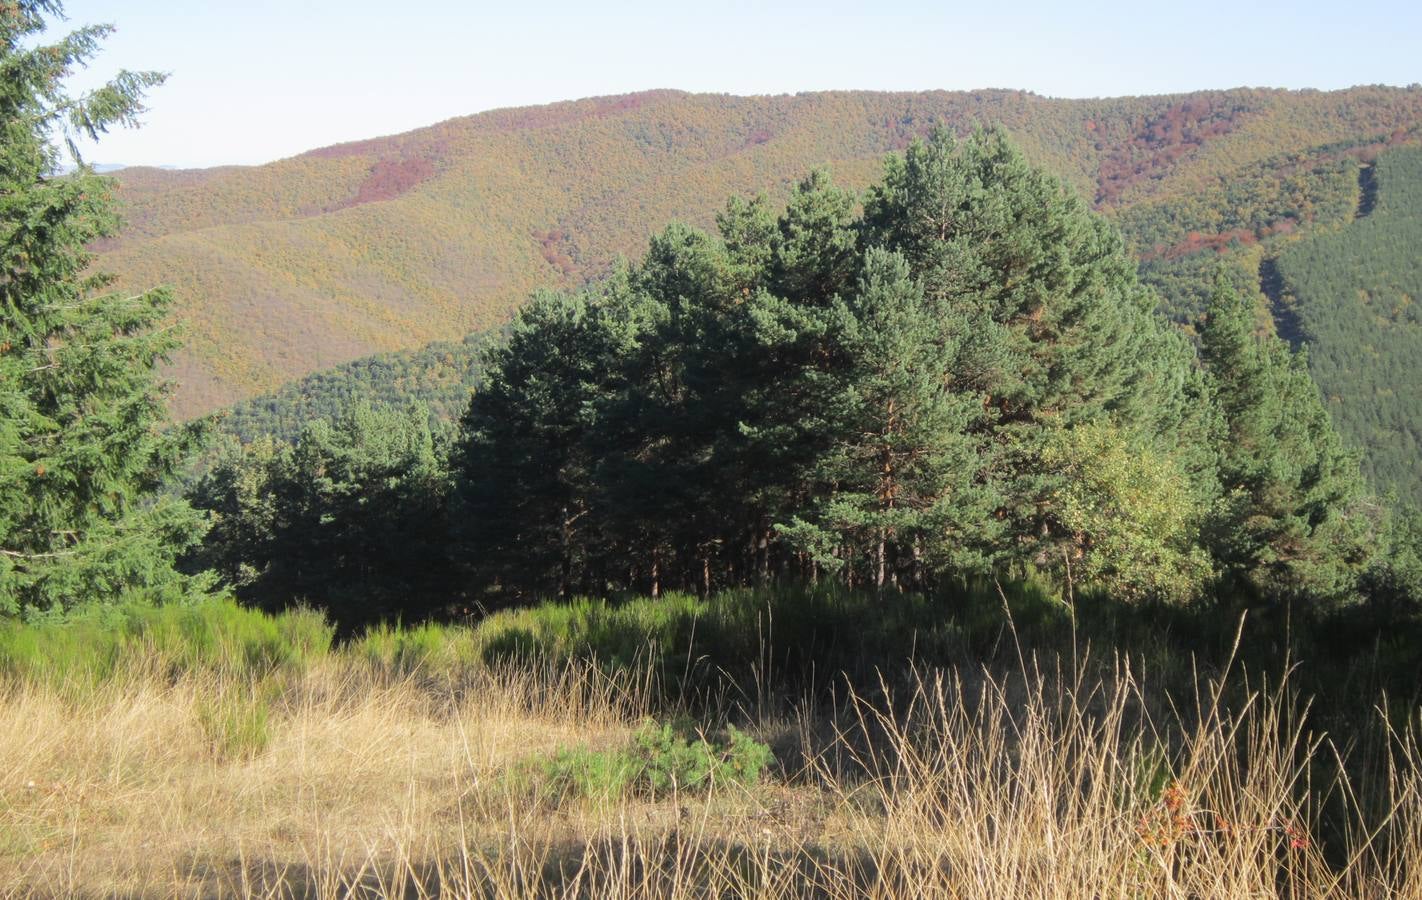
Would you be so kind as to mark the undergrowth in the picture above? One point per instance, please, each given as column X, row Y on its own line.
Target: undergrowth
column 659, row 760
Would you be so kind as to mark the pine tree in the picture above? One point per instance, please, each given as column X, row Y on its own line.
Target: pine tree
column 524, row 471
column 814, row 252
column 1290, row 522
column 901, row 469
column 671, row 491
column 82, row 445
column 1060, row 331
column 351, row 518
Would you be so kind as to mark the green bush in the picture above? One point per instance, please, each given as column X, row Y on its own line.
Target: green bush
column 92, row 645
column 657, row 762
column 429, row 648
column 787, row 631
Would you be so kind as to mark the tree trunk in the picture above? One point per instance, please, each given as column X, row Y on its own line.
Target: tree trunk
column 880, row 553
column 763, row 546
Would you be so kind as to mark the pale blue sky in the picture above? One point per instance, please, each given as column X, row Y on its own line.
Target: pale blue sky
column 264, row 79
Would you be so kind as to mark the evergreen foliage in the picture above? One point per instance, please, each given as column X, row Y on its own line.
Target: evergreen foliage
column 83, row 446
column 1290, row 521
column 900, row 468
column 968, row 378
column 1357, row 294
column 440, row 377
column 963, row 377
column 349, row 519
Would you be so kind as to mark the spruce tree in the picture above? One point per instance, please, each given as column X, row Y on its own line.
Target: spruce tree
column 83, row 446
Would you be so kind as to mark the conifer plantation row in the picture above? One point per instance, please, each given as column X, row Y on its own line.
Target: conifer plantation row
column 954, row 376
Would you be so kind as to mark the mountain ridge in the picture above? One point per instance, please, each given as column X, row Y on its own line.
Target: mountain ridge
column 392, row 242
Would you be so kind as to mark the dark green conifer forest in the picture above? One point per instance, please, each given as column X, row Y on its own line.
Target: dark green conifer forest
column 1355, row 291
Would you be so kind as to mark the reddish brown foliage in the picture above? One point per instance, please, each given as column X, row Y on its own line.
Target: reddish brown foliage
column 551, row 244
column 388, row 179
column 1196, row 242
column 1159, row 143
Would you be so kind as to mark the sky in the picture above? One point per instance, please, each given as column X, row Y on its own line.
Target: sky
column 260, row 80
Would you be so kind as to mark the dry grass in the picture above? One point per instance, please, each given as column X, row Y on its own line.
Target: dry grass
column 339, row 781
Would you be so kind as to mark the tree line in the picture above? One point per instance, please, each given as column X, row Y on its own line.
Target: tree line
column 954, row 375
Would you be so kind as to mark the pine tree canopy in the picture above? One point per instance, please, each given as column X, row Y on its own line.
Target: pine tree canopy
column 966, row 378
column 1292, row 519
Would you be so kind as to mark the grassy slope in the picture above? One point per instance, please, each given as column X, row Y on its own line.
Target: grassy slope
column 391, row 243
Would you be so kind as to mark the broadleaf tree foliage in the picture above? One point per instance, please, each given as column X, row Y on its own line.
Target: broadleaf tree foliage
column 83, row 446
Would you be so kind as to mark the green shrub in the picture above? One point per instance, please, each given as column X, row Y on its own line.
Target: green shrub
column 658, row 761
column 786, row 632
column 428, row 648
column 93, row 645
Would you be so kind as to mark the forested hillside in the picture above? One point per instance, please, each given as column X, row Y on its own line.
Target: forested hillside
column 879, row 538
column 285, row 269
column 1356, row 292
column 439, row 377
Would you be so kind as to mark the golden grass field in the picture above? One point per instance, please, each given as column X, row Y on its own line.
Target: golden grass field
column 339, row 778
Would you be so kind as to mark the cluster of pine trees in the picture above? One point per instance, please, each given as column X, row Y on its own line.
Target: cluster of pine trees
column 440, row 376
column 957, row 374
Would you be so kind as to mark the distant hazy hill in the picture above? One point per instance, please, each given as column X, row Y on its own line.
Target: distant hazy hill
column 391, row 243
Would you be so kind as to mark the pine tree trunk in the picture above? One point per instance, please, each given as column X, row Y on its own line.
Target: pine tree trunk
column 881, row 554
column 565, row 568
column 763, row 546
